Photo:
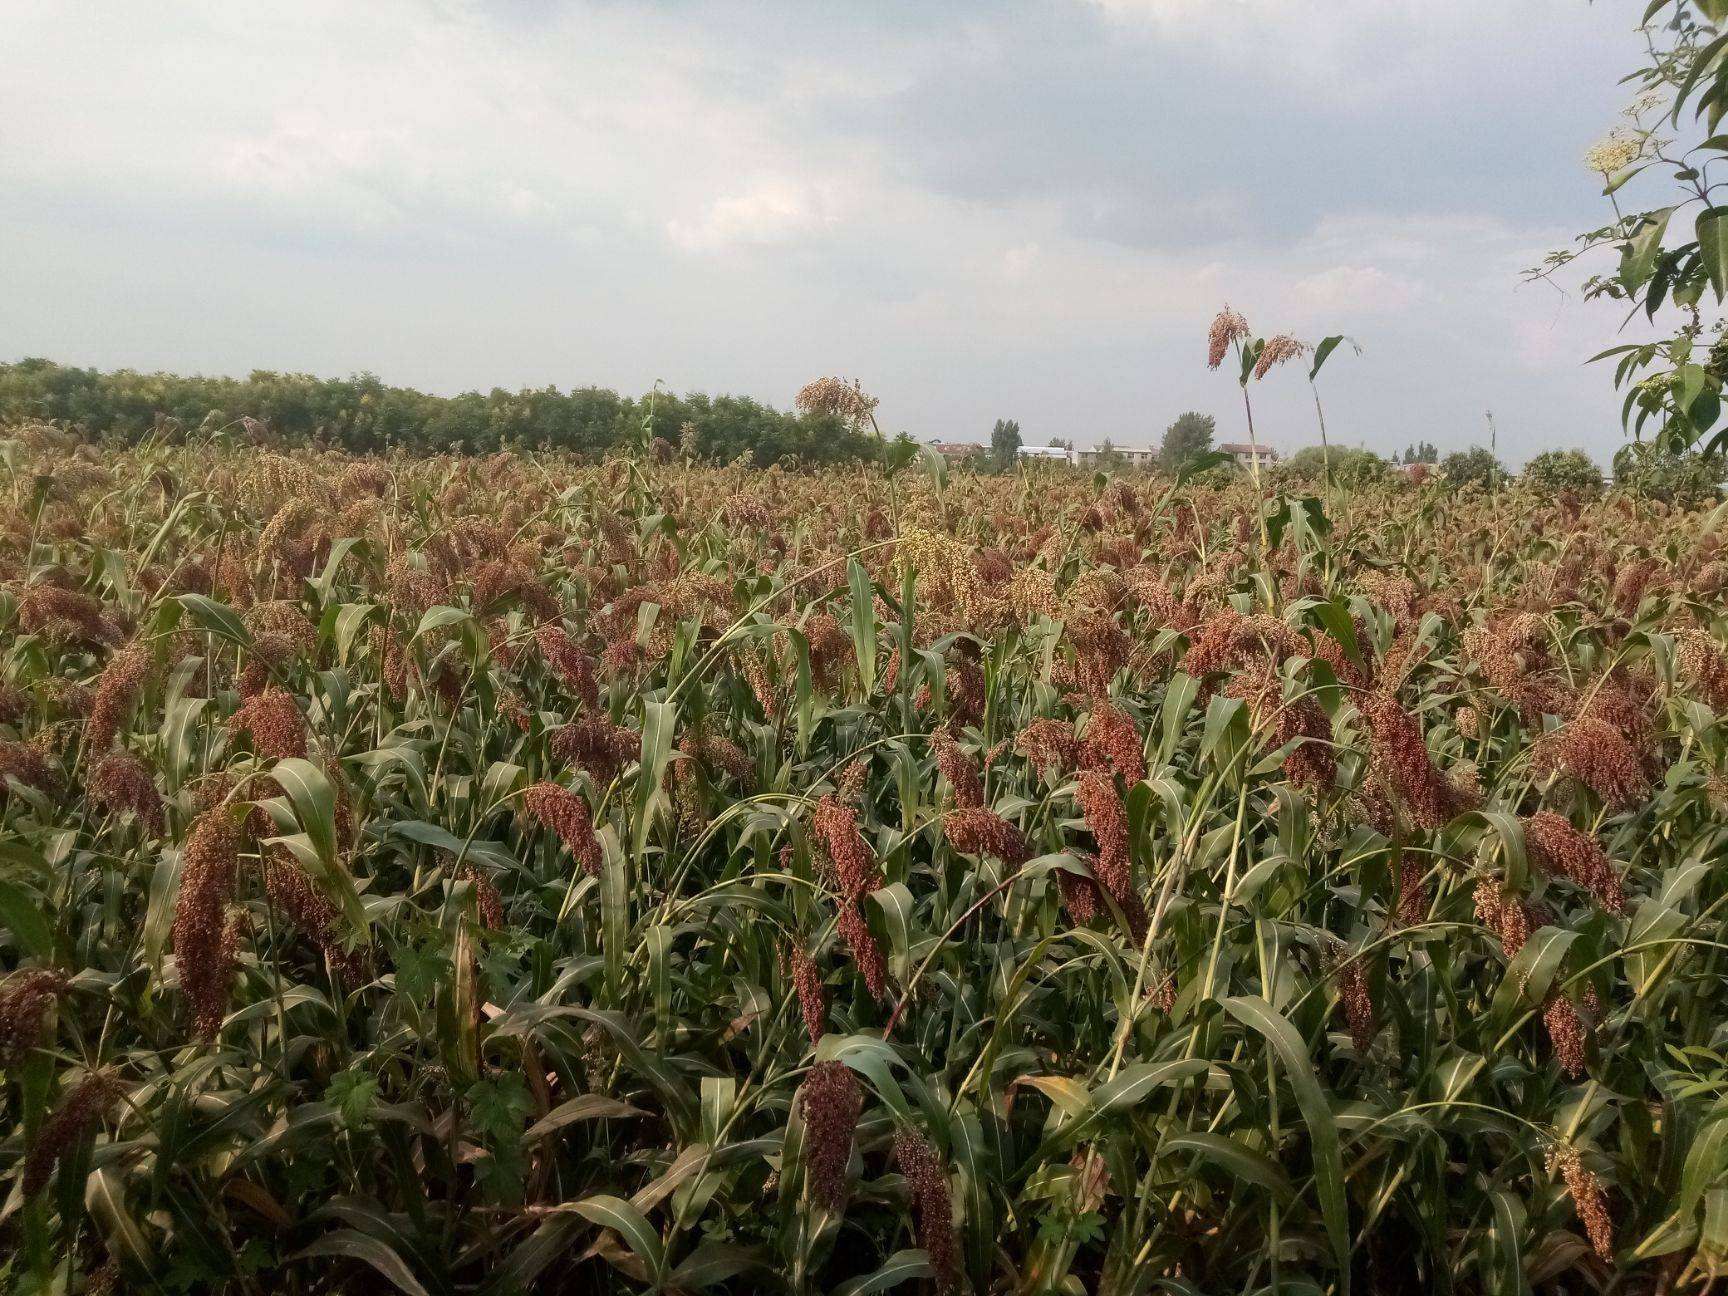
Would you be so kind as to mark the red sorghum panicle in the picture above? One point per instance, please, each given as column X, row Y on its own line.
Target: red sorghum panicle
column 1513, row 654
column 122, row 680
column 1080, row 896
column 597, row 746
column 1412, row 891
column 120, row 782
column 65, row 616
column 1277, row 350
column 269, row 654
column 1113, row 743
column 1561, row 849
column 957, row 769
column 867, row 952
column 1108, row 820
column 273, row 721
column 25, row 998
column 834, row 826
column 1705, row 667
column 830, row 650
column 831, row 1100
column 1356, row 1001
column 977, row 831
column 488, row 903
column 201, row 951
column 1049, row 745
column 719, row 754
column 1598, row 755
column 812, row 998
column 1567, row 1032
column 85, row 1105
column 567, row 815
column 1100, row 650
column 1228, row 327
column 569, row 663
column 14, row 704
column 26, row 763
column 1228, row 640
column 1299, row 723
column 1588, row 1200
column 1504, row 914
column 310, row 912
column 931, row 1197
column 1400, row 757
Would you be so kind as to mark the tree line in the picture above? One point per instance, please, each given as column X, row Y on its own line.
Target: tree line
column 363, row 414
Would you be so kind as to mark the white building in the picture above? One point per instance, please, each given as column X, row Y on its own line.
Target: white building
column 1047, row 454
column 1245, row 454
column 1123, row 456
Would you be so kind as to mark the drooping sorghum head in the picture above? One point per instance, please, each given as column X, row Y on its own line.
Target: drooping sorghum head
column 1278, row 349
column 812, row 997
column 25, row 998
column 1561, row 849
column 933, row 1201
column 597, row 746
column 310, row 912
column 569, row 663
column 1588, row 1199
column 830, row 1099
column 119, row 782
column 1599, row 756
column 1107, row 818
column 1049, row 744
column 974, row 830
column 867, row 953
column 88, row 1101
column 123, row 678
column 567, row 815
column 1400, row 758
column 834, row 827
column 272, row 720
column 1113, row 743
column 957, row 769
column 203, row 942
column 1227, row 327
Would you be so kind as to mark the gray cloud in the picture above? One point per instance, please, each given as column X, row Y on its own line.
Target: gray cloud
column 1026, row 210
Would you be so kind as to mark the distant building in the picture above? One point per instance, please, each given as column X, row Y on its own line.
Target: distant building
column 955, row 451
column 1250, row 456
column 1125, row 456
column 1047, row 454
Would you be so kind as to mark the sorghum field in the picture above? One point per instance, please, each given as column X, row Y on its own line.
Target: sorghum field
column 508, row 874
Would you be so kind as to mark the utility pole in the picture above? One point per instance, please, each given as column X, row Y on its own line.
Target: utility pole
column 1494, row 447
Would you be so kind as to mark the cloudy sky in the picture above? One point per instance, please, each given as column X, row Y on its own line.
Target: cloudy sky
column 1027, row 209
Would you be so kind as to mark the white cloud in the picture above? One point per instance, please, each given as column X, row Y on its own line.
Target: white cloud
column 773, row 212
column 459, row 193
column 1362, row 290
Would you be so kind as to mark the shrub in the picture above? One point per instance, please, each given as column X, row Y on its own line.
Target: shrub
column 1476, row 466
column 1648, row 472
column 1554, row 471
column 1350, row 466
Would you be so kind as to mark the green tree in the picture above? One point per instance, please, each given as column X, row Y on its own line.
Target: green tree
column 1005, row 442
column 363, row 414
column 1185, row 440
column 1652, row 472
column 1673, row 253
column 1477, row 466
column 1350, row 467
column 1554, row 471
column 1108, row 457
